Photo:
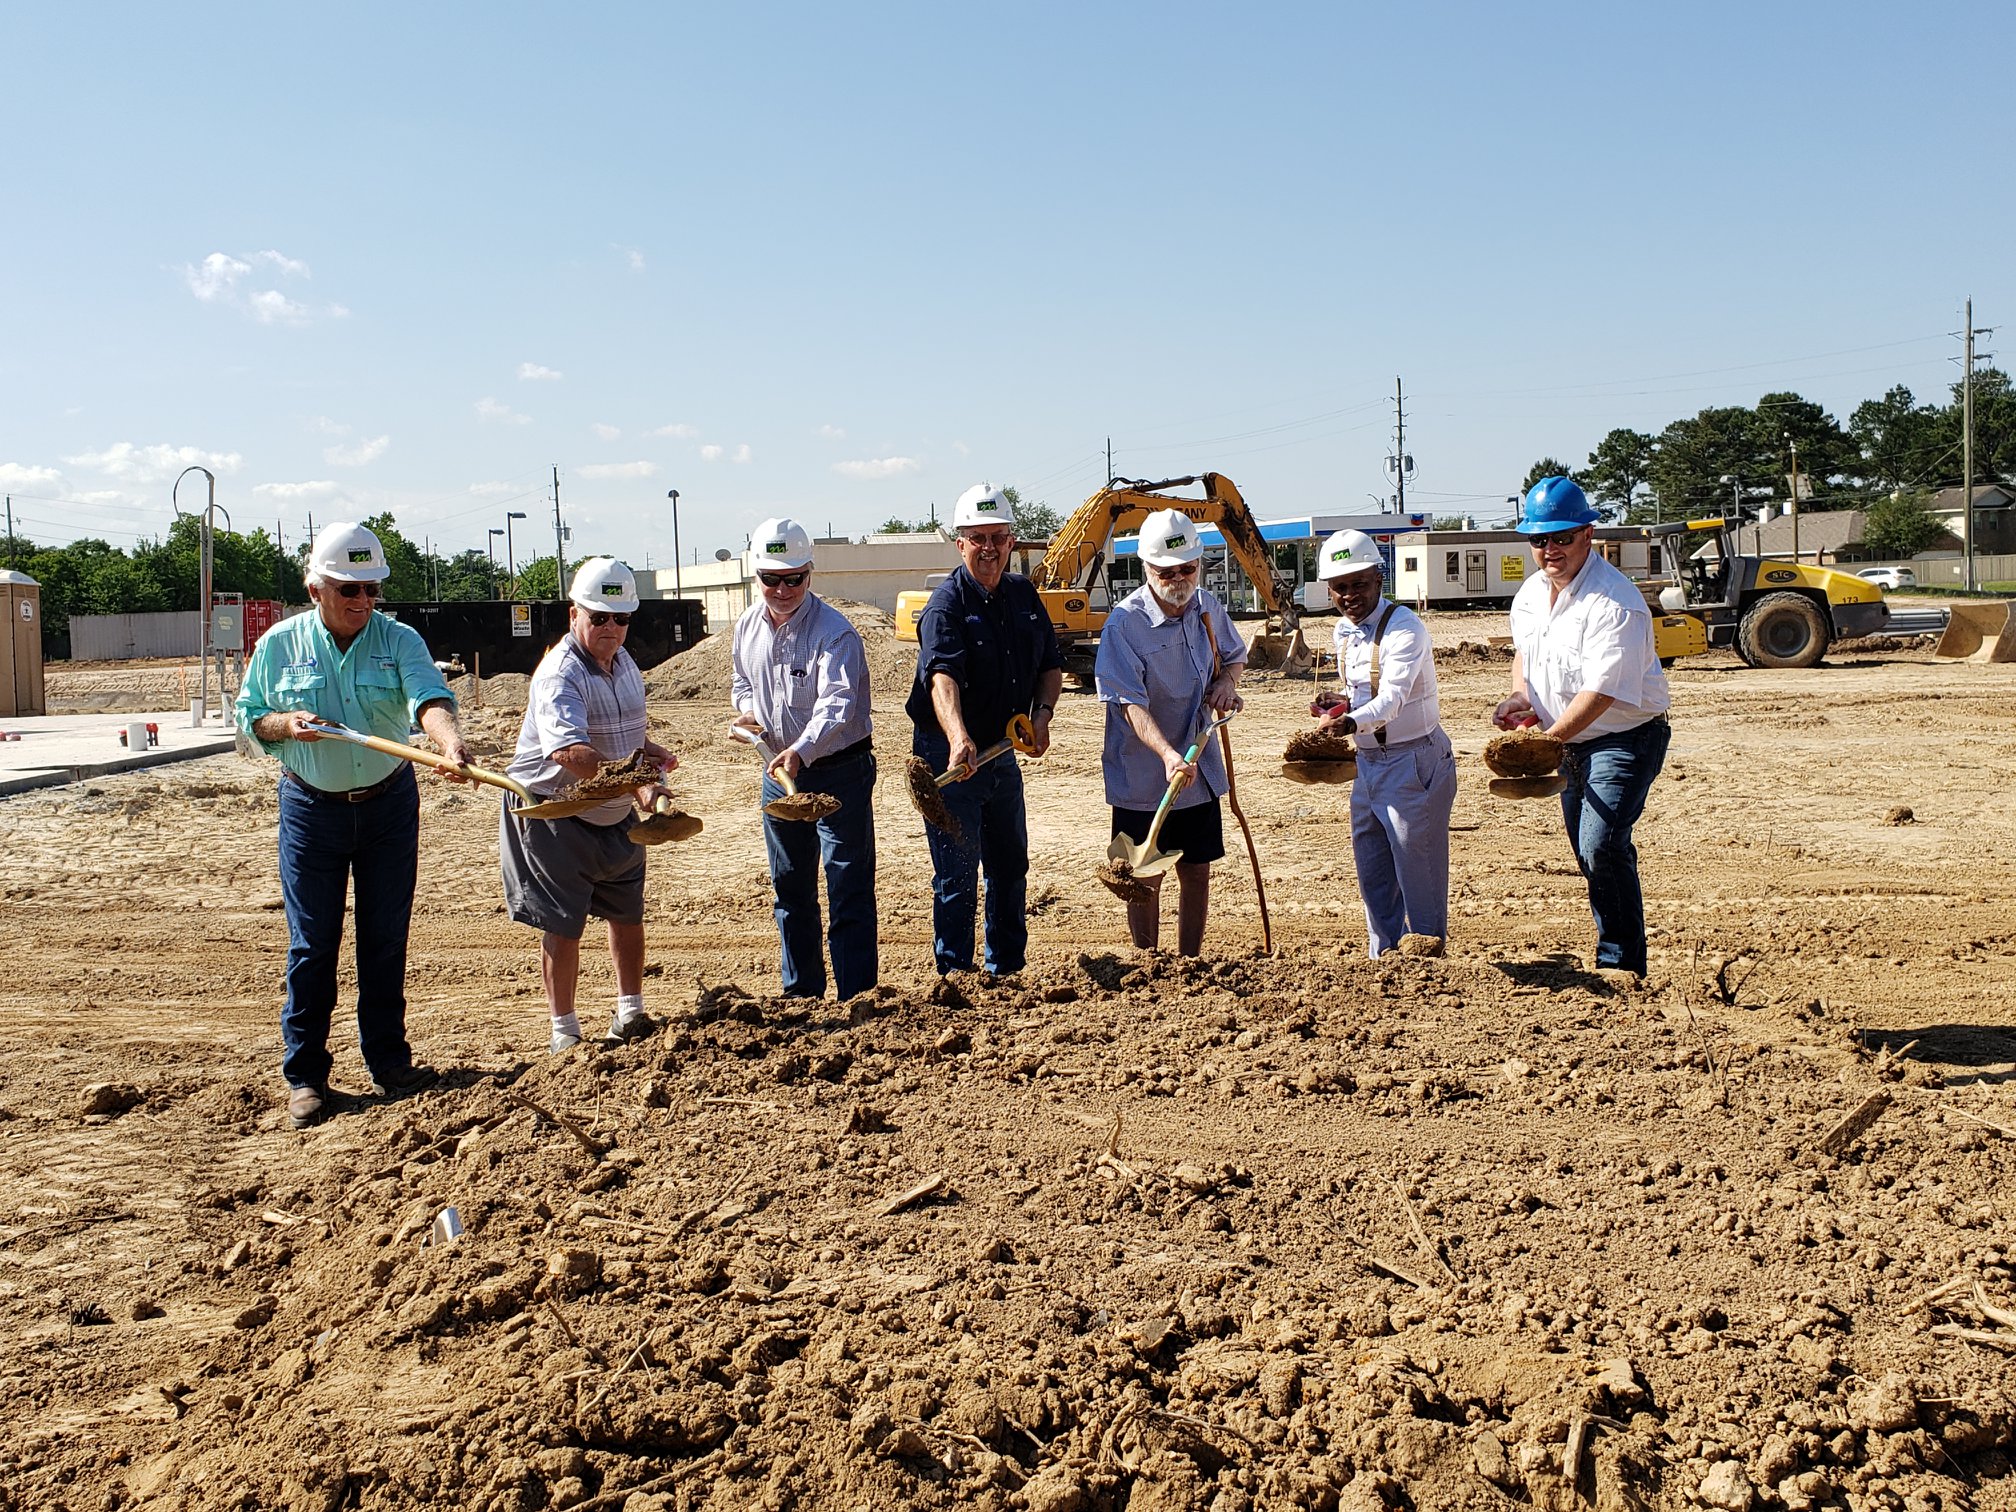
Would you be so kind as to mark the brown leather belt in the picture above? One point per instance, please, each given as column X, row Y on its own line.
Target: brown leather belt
column 349, row 795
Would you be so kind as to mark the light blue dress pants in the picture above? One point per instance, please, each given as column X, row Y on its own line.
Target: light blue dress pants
column 1400, row 805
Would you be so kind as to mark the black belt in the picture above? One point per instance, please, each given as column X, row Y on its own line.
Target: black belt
column 861, row 747
column 348, row 795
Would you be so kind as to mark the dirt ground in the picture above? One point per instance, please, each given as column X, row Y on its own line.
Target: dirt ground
column 1239, row 1233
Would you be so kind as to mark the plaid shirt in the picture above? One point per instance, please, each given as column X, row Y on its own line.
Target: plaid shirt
column 574, row 702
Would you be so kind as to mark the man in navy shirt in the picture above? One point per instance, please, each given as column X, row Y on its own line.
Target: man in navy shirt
column 985, row 652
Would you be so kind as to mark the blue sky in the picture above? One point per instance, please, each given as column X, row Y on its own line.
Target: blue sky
column 842, row 262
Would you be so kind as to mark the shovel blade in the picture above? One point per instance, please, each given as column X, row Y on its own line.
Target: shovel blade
column 664, row 829
column 1156, row 863
column 557, row 808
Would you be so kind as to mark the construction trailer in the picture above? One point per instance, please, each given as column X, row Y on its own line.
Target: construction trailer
column 1481, row 569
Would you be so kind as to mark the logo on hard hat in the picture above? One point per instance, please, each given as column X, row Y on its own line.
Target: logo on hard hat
column 612, row 590
column 1174, row 541
column 987, row 504
column 360, row 558
column 775, row 548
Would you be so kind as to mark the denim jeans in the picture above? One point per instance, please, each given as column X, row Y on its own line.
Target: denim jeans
column 1608, row 778
column 994, row 840
column 323, row 846
column 844, row 844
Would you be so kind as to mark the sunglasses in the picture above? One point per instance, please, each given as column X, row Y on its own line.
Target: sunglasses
column 1181, row 570
column 1558, row 538
column 598, row 619
column 782, row 579
column 369, row 590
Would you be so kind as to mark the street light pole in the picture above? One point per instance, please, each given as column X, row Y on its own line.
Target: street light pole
column 492, row 544
column 510, row 552
column 673, row 495
column 208, row 559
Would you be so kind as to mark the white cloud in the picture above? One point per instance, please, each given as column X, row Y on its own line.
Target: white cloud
column 20, row 475
column 831, row 433
column 633, row 257
column 677, row 432
column 962, row 448
column 490, row 412
column 711, row 454
column 294, row 492
column 151, row 464
column 492, row 490
column 605, row 432
column 532, row 372
column 328, row 427
column 877, row 467
column 360, row 455
column 619, row 469
column 742, row 453
column 216, row 278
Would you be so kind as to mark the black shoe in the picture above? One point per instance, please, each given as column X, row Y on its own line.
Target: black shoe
column 306, row 1105
column 391, row 1085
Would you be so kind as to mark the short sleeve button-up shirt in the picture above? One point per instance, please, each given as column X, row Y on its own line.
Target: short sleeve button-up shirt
column 1596, row 635
column 1163, row 664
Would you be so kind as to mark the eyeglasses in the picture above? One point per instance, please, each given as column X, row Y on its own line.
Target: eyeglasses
column 598, row 619
column 993, row 540
column 369, row 590
column 782, row 579
column 1180, row 570
column 1558, row 538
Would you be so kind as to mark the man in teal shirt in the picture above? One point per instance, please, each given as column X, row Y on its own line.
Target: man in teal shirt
column 346, row 811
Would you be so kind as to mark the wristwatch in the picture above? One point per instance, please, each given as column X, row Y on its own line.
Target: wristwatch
column 1045, row 709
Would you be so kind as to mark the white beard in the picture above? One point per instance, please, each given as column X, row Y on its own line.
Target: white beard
column 1176, row 596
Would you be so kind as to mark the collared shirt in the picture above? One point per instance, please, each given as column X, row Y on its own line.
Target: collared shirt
column 1407, row 705
column 995, row 646
column 1152, row 661
column 572, row 701
column 806, row 680
column 377, row 686
column 1594, row 636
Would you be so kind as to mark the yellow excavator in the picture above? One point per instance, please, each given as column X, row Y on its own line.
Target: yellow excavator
column 1074, row 584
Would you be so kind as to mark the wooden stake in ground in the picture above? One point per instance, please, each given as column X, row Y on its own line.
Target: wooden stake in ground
column 1855, row 1125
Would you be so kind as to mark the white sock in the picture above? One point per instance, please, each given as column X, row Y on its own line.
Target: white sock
column 629, row 1005
column 567, row 1024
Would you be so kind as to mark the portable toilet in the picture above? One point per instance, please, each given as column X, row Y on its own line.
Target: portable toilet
column 21, row 647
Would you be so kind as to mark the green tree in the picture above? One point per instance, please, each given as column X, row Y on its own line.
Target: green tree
column 468, row 576
column 411, row 581
column 1617, row 469
column 1828, row 456
column 536, row 579
column 1900, row 526
column 1033, row 522
column 1695, row 456
column 1547, row 467
column 1994, row 428
column 1900, row 441
column 1449, row 522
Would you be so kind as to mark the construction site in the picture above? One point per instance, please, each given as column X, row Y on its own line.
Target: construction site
column 1268, row 1228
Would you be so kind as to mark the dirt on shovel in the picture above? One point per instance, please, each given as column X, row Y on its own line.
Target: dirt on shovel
column 802, row 807
column 1121, row 882
column 929, row 798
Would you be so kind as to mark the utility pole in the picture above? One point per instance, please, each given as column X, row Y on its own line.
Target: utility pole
column 1109, row 461
column 678, row 588
column 559, row 549
column 1794, row 444
column 1967, row 440
column 1399, row 466
column 10, row 530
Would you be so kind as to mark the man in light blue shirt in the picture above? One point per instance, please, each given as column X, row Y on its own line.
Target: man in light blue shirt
column 1161, row 682
column 346, row 811
column 801, row 683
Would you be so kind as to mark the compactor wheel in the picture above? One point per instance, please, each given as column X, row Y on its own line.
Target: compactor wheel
column 1782, row 630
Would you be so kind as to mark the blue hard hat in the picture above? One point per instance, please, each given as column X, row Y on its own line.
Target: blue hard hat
column 1554, row 504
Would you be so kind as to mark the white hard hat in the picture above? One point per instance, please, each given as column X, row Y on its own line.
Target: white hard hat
column 1347, row 552
column 347, row 553
column 781, row 544
column 981, row 505
column 605, row 583
column 1169, row 539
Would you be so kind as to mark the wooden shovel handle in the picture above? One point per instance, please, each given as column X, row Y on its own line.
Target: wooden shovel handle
column 331, row 731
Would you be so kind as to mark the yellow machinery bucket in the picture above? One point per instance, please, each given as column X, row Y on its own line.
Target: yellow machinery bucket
column 1280, row 653
column 1979, row 632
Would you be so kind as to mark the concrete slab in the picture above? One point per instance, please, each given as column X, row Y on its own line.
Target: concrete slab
column 57, row 748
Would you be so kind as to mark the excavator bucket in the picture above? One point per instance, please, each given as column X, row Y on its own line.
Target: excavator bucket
column 1979, row 632
column 1280, row 653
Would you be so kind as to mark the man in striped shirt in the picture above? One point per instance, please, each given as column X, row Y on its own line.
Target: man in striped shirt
column 585, row 707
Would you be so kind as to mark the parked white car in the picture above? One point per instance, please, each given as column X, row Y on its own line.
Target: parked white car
column 1889, row 577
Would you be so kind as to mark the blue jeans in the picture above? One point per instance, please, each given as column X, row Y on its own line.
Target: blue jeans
column 844, row 844
column 1608, row 778
column 323, row 845
column 994, row 839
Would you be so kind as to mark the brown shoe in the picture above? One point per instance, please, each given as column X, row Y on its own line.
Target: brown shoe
column 306, row 1105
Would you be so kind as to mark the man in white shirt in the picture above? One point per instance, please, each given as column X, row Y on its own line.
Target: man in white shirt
column 1406, row 784
column 801, row 682
column 1586, row 671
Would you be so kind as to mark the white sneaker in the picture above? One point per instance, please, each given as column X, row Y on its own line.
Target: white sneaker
column 622, row 1031
column 562, row 1043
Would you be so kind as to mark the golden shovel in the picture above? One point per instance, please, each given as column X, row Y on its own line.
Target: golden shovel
column 661, row 826
column 530, row 806
column 925, row 787
column 1127, row 861
column 794, row 805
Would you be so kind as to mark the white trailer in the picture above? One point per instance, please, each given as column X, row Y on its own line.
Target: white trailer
column 1454, row 568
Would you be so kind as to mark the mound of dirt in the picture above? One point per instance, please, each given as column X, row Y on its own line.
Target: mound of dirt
column 507, row 691
column 1318, row 745
column 1473, row 654
column 706, row 672
column 1522, row 753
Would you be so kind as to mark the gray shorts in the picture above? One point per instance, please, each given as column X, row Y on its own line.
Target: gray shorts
column 559, row 871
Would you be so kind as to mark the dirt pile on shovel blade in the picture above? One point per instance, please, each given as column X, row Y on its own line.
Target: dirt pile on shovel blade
column 1522, row 753
column 1120, row 881
column 1318, row 745
column 802, row 806
column 930, row 799
column 612, row 779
